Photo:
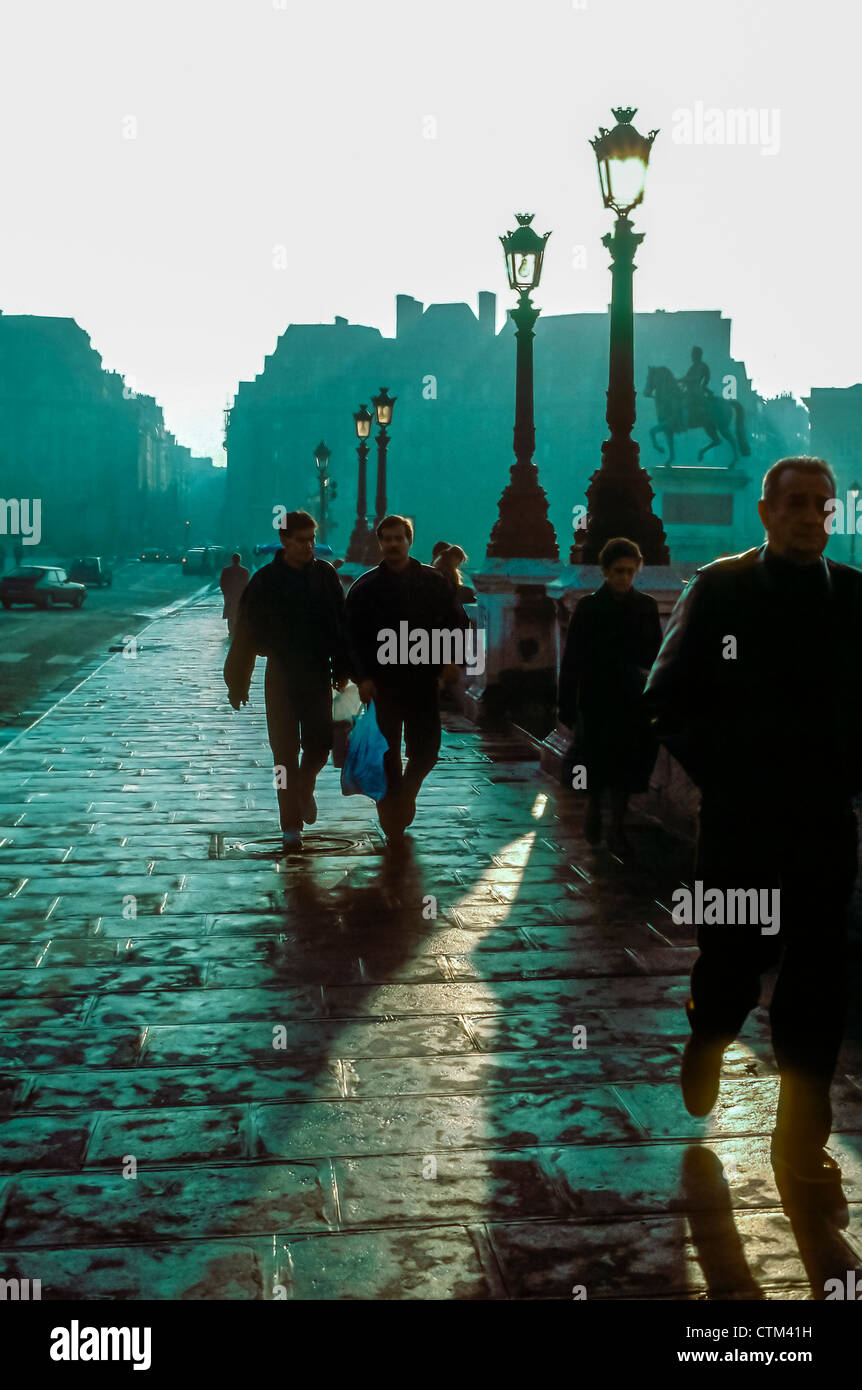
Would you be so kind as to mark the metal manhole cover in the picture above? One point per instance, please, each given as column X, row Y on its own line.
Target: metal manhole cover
column 269, row 846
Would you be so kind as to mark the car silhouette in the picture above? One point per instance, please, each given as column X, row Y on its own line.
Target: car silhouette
column 43, row 585
column 92, row 569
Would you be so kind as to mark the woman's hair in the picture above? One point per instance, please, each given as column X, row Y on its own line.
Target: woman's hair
column 619, row 549
column 448, row 561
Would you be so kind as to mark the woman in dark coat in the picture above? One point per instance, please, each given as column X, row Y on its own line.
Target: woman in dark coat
column 613, row 640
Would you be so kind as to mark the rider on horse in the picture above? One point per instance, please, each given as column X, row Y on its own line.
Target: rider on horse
column 696, row 388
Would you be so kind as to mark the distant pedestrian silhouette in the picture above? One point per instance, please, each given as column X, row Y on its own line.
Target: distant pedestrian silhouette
column 233, row 580
column 613, row 639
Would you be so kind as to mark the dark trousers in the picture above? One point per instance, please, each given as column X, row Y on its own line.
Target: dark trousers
column 416, row 711
column 298, row 715
column 811, row 855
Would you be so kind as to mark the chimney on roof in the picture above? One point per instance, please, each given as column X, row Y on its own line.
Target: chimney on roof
column 488, row 311
column 408, row 311
column 340, row 322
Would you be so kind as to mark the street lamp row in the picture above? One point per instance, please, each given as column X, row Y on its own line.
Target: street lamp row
column 363, row 547
column 619, row 495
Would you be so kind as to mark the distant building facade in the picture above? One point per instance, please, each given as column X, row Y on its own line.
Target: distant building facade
column 836, row 435
column 109, row 474
column 451, row 437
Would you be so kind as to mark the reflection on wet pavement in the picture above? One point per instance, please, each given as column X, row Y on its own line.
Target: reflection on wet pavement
column 354, row 1074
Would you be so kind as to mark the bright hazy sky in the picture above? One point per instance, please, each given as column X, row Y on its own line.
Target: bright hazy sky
column 267, row 123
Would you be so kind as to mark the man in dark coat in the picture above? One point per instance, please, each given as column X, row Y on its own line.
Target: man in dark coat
column 402, row 592
column 757, row 691
column 292, row 612
column 232, row 582
column 613, row 639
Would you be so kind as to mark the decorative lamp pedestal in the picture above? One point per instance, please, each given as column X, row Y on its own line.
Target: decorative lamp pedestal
column 519, row 622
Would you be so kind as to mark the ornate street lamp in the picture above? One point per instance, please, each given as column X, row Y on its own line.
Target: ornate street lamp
column 522, row 528
column 619, row 496
column 327, row 486
column 384, row 405
column 362, row 536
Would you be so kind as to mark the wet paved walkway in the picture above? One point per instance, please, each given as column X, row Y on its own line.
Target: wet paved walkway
column 229, row 1076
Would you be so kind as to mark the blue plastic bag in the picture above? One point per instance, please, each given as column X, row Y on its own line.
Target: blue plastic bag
column 363, row 772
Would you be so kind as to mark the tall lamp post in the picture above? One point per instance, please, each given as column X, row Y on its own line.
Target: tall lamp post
column 522, row 527
column 384, row 405
column 361, row 537
column 619, row 497
column 327, row 485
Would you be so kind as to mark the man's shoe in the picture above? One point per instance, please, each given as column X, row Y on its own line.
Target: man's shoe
column 390, row 813
column 700, row 1074
column 308, row 808
column 291, row 841
column 806, row 1171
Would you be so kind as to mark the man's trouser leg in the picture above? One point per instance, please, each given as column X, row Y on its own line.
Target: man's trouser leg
column 732, row 852
column 282, row 726
column 422, row 735
column 809, row 1001
column 298, row 714
column 389, row 708
column 314, row 706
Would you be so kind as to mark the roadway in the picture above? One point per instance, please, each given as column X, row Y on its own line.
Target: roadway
column 43, row 653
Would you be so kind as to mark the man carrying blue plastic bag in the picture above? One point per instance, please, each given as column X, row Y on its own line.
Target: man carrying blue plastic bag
column 363, row 770
column 397, row 615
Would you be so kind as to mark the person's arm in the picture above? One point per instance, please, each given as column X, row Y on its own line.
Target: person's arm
column 239, row 665
column 450, row 618
column 340, row 656
column 452, row 615
column 652, row 639
column 361, row 639
column 675, row 692
column 571, row 666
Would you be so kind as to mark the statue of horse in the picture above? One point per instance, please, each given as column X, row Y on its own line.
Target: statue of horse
column 719, row 417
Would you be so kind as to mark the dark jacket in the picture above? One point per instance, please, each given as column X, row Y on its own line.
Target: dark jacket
column 381, row 600
column 610, row 646
column 609, row 642
column 294, row 617
column 757, row 688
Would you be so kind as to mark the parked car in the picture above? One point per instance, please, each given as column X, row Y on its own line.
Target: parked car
column 92, row 569
column 203, row 560
column 41, row 585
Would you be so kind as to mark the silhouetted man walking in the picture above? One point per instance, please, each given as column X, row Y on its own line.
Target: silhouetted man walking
column 757, row 690
column 292, row 612
column 232, row 582
column 401, row 591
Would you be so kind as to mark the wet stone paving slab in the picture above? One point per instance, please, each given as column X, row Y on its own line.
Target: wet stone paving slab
column 447, row 1074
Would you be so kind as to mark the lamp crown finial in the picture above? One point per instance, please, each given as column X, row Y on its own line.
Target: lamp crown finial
column 524, row 218
column 624, row 114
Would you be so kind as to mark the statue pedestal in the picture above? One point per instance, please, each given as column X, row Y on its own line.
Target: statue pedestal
column 705, row 511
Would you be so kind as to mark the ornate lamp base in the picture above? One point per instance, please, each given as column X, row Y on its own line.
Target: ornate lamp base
column 619, row 503
column 523, row 529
